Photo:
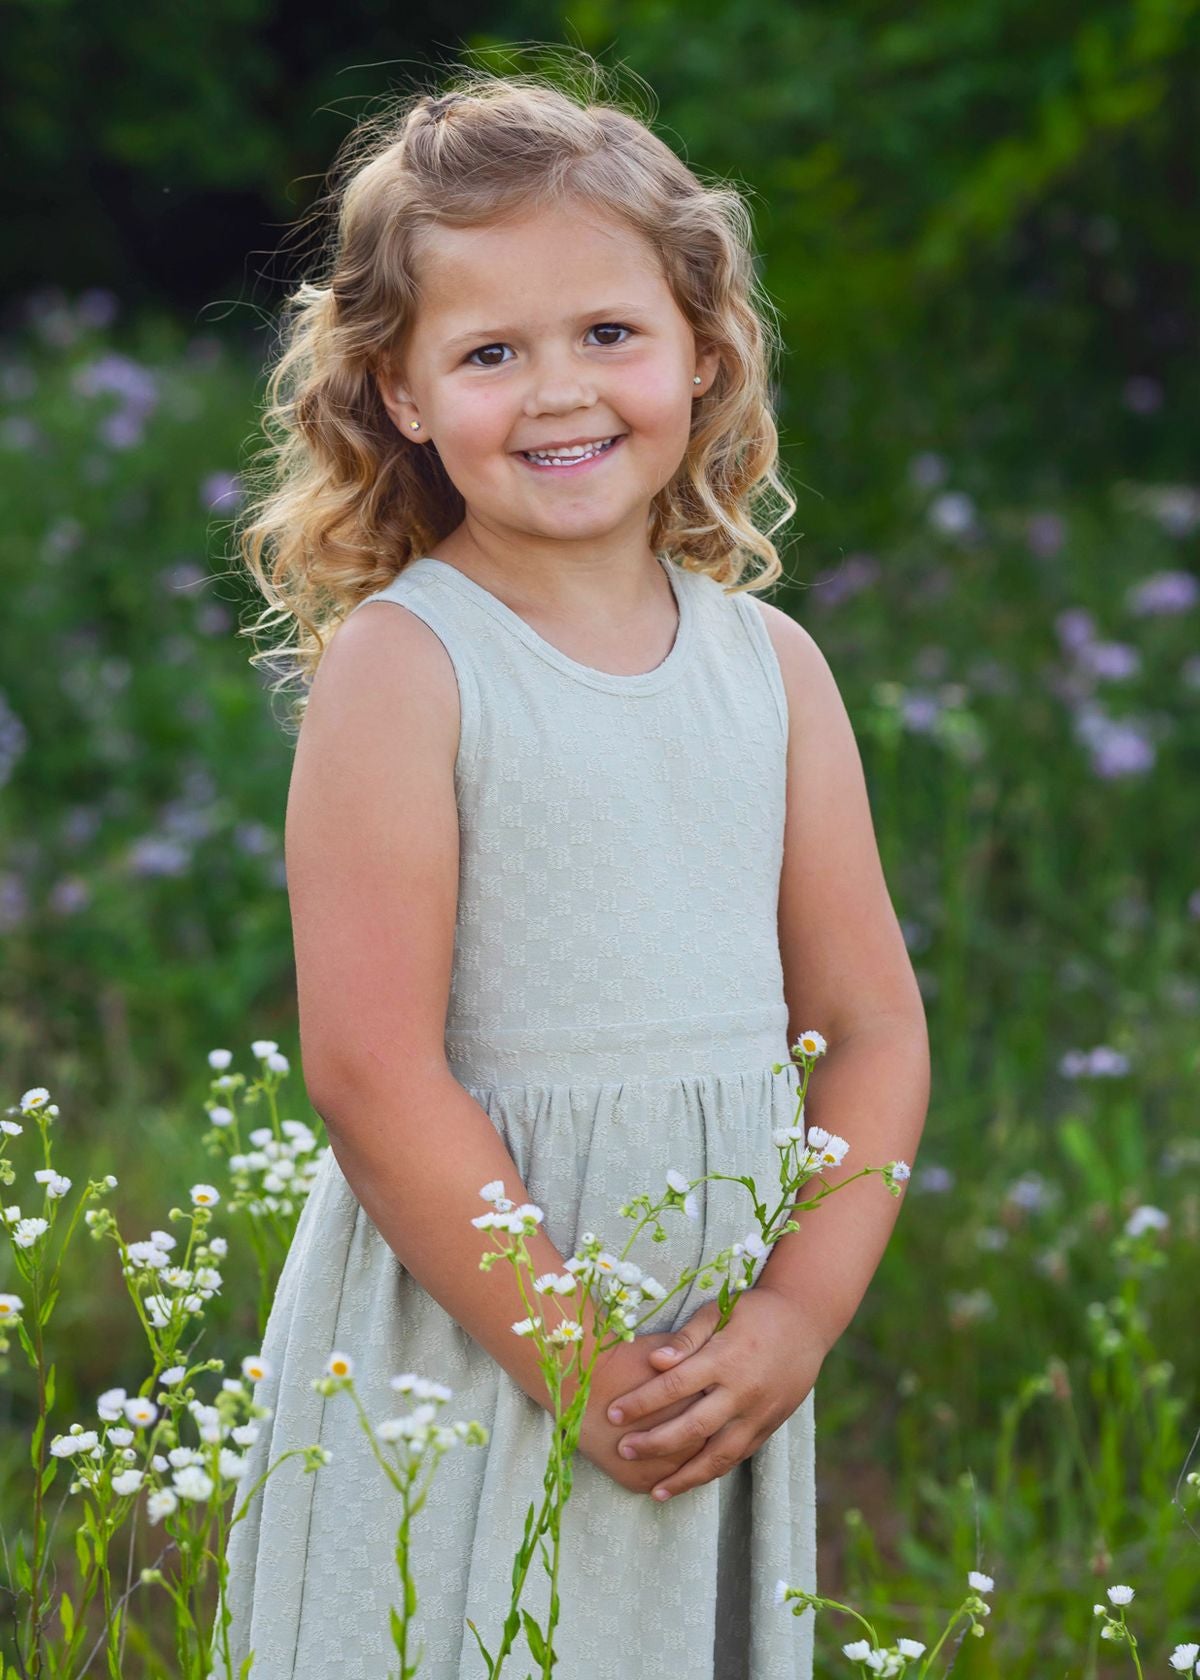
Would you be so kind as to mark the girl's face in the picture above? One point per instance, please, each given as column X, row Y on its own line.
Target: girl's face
column 554, row 328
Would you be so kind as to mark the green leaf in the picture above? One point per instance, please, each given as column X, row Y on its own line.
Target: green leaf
column 66, row 1611
column 534, row 1635
column 1086, row 1153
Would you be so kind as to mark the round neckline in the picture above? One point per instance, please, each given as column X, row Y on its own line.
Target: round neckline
column 617, row 682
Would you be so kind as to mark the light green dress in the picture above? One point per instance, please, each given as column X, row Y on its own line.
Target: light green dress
column 615, row 1008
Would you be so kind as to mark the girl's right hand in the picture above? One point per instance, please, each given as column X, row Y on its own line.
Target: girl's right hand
column 617, row 1371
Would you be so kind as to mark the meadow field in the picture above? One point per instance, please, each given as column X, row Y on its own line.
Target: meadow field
column 1018, row 1393
column 987, row 405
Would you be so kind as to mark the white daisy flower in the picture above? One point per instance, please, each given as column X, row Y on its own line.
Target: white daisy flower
column 1120, row 1595
column 10, row 1308
column 219, row 1059
column 810, row 1044
column 981, row 1583
column 262, row 1047
column 128, row 1481
column 35, row 1098
column 160, row 1504
column 858, row 1650
column 909, row 1647
column 193, row 1483
column 28, row 1231
column 205, row 1195
column 831, row 1148
column 1146, row 1219
column 1183, row 1658
column 339, row 1365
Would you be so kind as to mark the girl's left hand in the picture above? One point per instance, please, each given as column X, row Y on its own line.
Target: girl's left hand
column 750, row 1377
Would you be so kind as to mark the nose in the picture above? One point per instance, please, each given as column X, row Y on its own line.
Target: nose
column 557, row 386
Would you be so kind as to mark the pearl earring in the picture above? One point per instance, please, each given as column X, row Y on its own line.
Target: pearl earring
column 696, row 380
column 415, row 424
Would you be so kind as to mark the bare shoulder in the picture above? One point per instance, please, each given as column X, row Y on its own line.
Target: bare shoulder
column 812, row 691
column 381, row 656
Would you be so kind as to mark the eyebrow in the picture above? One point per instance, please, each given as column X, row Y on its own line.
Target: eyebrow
column 493, row 335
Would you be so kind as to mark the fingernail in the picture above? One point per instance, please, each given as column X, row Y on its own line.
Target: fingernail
column 626, row 1452
column 615, row 1415
column 661, row 1493
column 669, row 1353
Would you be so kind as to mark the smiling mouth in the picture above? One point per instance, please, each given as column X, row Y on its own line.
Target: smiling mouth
column 566, row 459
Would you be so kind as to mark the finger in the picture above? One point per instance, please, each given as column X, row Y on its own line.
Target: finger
column 686, row 1433
column 716, row 1458
column 690, row 1337
column 688, row 1379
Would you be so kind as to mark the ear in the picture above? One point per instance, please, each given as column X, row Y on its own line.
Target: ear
column 708, row 360
column 397, row 400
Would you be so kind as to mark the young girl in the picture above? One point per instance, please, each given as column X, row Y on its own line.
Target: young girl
column 578, row 843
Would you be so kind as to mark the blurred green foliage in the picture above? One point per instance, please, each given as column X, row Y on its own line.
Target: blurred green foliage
column 977, row 224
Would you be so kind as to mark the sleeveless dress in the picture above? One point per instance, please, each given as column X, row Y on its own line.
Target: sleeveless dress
column 615, row 1007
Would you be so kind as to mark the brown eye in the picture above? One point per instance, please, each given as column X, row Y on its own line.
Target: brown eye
column 482, row 350
column 611, row 326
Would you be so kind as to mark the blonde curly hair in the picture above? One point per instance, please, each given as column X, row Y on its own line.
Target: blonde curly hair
column 339, row 502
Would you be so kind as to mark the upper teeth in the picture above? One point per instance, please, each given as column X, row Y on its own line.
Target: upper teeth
column 577, row 452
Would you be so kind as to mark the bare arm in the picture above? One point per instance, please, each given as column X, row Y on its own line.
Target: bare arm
column 847, row 974
column 372, row 865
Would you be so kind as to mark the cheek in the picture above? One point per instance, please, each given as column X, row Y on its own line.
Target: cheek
column 475, row 425
column 656, row 405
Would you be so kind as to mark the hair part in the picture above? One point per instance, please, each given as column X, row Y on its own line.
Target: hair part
column 340, row 501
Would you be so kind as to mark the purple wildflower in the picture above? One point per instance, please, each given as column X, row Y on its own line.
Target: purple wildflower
column 1142, row 395
column 155, row 855
column 856, row 573
column 952, row 513
column 1110, row 661
column 96, row 307
column 1075, row 627
column 927, row 470
column 1045, row 533
column 1163, row 594
column 220, row 490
